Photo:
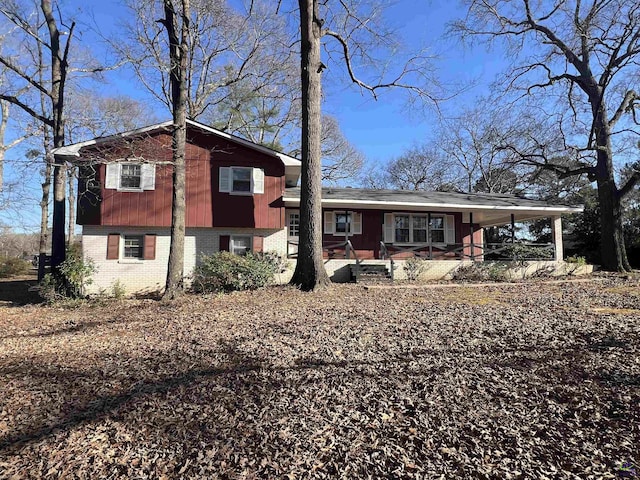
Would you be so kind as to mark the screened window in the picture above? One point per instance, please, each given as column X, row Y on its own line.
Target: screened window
column 241, row 179
column 133, row 246
column 240, row 245
column 130, row 175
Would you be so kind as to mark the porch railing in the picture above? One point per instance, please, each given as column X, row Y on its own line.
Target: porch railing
column 340, row 250
column 518, row 251
column 384, row 255
column 506, row 251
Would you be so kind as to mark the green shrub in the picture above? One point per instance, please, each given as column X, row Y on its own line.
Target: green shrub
column 226, row 272
column 578, row 261
column 74, row 274
column 11, row 266
column 413, row 268
column 118, row 290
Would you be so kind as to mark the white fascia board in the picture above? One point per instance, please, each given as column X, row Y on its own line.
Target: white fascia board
column 379, row 204
column 73, row 150
column 285, row 159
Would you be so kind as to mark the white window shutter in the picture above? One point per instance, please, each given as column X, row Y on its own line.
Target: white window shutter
column 258, row 180
column 328, row 222
column 225, row 179
column 148, row 176
column 450, row 230
column 388, row 228
column 356, row 223
column 112, row 177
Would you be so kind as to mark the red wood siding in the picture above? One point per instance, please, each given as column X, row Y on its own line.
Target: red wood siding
column 206, row 207
column 367, row 245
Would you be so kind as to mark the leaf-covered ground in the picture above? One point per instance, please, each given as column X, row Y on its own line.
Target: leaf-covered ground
column 526, row 381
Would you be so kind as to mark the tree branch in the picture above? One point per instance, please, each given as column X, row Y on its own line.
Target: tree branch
column 27, row 109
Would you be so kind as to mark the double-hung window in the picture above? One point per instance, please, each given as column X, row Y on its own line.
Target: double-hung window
column 402, row 229
column 133, row 246
column 437, row 229
column 240, row 244
column 293, row 223
column 241, row 180
column 342, row 223
column 409, row 228
column 130, row 175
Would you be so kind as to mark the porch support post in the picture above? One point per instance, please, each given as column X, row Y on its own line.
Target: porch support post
column 347, row 218
column 513, row 228
column 513, row 234
column 429, row 236
column 556, row 233
column 473, row 256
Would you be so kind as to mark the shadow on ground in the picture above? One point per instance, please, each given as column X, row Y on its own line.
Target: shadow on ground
column 15, row 291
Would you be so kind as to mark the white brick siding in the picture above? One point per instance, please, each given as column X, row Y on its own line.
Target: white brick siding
column 147, row 276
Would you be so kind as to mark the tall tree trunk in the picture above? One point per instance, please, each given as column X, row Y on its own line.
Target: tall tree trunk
column 44, row 205
column 58, row 78
column 178, row 54
column 310, row 273
column 4, row 108
column 612, row 247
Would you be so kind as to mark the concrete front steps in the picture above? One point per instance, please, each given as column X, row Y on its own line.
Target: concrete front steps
column 370, row 273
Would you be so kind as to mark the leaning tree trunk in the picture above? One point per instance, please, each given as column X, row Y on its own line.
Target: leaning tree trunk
column 310, row 273
column 178, row 54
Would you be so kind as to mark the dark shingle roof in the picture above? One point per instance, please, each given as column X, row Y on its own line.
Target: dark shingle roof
column 446, row 199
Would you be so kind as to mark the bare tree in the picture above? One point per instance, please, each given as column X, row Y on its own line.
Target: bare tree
column 177, row 26
column 418, row 168
column 46, row 75
column 345, row 24
column 576, row 64
column 222, row 47
column 5, row 145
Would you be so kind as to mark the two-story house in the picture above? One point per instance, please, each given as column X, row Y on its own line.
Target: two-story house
column 241, row 196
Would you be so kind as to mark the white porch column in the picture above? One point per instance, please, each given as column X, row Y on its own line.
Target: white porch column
column 556, row 233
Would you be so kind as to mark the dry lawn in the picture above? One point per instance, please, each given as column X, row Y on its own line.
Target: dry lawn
column 528, row 381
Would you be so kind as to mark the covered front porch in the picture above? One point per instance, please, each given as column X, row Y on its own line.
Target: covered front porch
column 391, row 226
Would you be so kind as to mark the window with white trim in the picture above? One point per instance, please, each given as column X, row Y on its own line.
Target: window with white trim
column 130, row 176
column 133, row 247
column 241, row 180
column 342, row 223
column 437, row 229
column 293, row 223
column 240, row 244
column 412, row 228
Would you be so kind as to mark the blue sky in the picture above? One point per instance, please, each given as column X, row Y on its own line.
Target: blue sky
column 381, row 128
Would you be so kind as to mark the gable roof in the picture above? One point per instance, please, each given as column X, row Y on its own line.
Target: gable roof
column 73, row 150
column 492, row 209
